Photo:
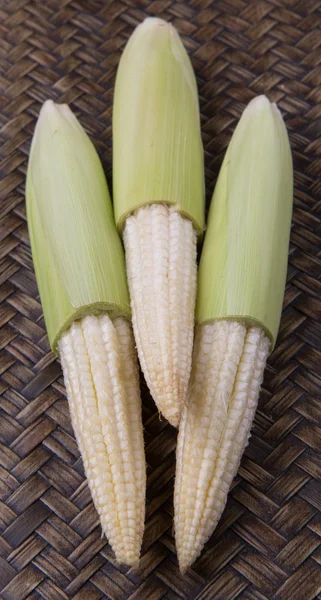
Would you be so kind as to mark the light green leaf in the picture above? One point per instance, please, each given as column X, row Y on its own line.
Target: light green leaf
column 244, row 259
column 157, row 146
column 76, row 249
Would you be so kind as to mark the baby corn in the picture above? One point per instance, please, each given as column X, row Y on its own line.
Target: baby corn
column 228, row 366
column 80, row 272
column 101, row 376
column 241, row 286
column 161, row 269
column 159, row 203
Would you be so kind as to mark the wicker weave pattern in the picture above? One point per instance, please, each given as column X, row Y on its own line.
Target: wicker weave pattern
column 267, row 545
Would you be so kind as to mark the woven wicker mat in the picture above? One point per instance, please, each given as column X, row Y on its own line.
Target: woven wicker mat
column 267, row 545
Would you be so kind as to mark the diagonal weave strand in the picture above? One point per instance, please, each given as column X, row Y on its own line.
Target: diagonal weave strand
column 267, row 544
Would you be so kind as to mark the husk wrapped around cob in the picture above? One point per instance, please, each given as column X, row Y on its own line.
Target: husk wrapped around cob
column 158, row 182
column 241, row 285
column 80, row 272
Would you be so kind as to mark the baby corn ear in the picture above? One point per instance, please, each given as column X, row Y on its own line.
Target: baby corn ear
column 228, row 367
column 241, row 285
column 158, row 180
column 101, row 375
column 80, row 271
column 161, row 270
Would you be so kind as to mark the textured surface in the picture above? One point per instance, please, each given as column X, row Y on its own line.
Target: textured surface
column 161, row 268
column 101, row 377
column 228, row 368
column 268, row 542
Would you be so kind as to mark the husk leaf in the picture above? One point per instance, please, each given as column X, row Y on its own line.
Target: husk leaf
column 157, row 146
column 243, row 264
column 77, row 253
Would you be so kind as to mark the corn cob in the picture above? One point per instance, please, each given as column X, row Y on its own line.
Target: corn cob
column 159, row 203
column 228, row 366
column 161, row 269
column 233, row 335
column 80, row 272
column 101, row 376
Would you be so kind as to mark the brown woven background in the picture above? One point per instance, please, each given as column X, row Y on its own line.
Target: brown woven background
column 268, row 542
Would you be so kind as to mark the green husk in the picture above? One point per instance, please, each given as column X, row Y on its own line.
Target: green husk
column 157, row 146
column 77, row 253
column 243, row 264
